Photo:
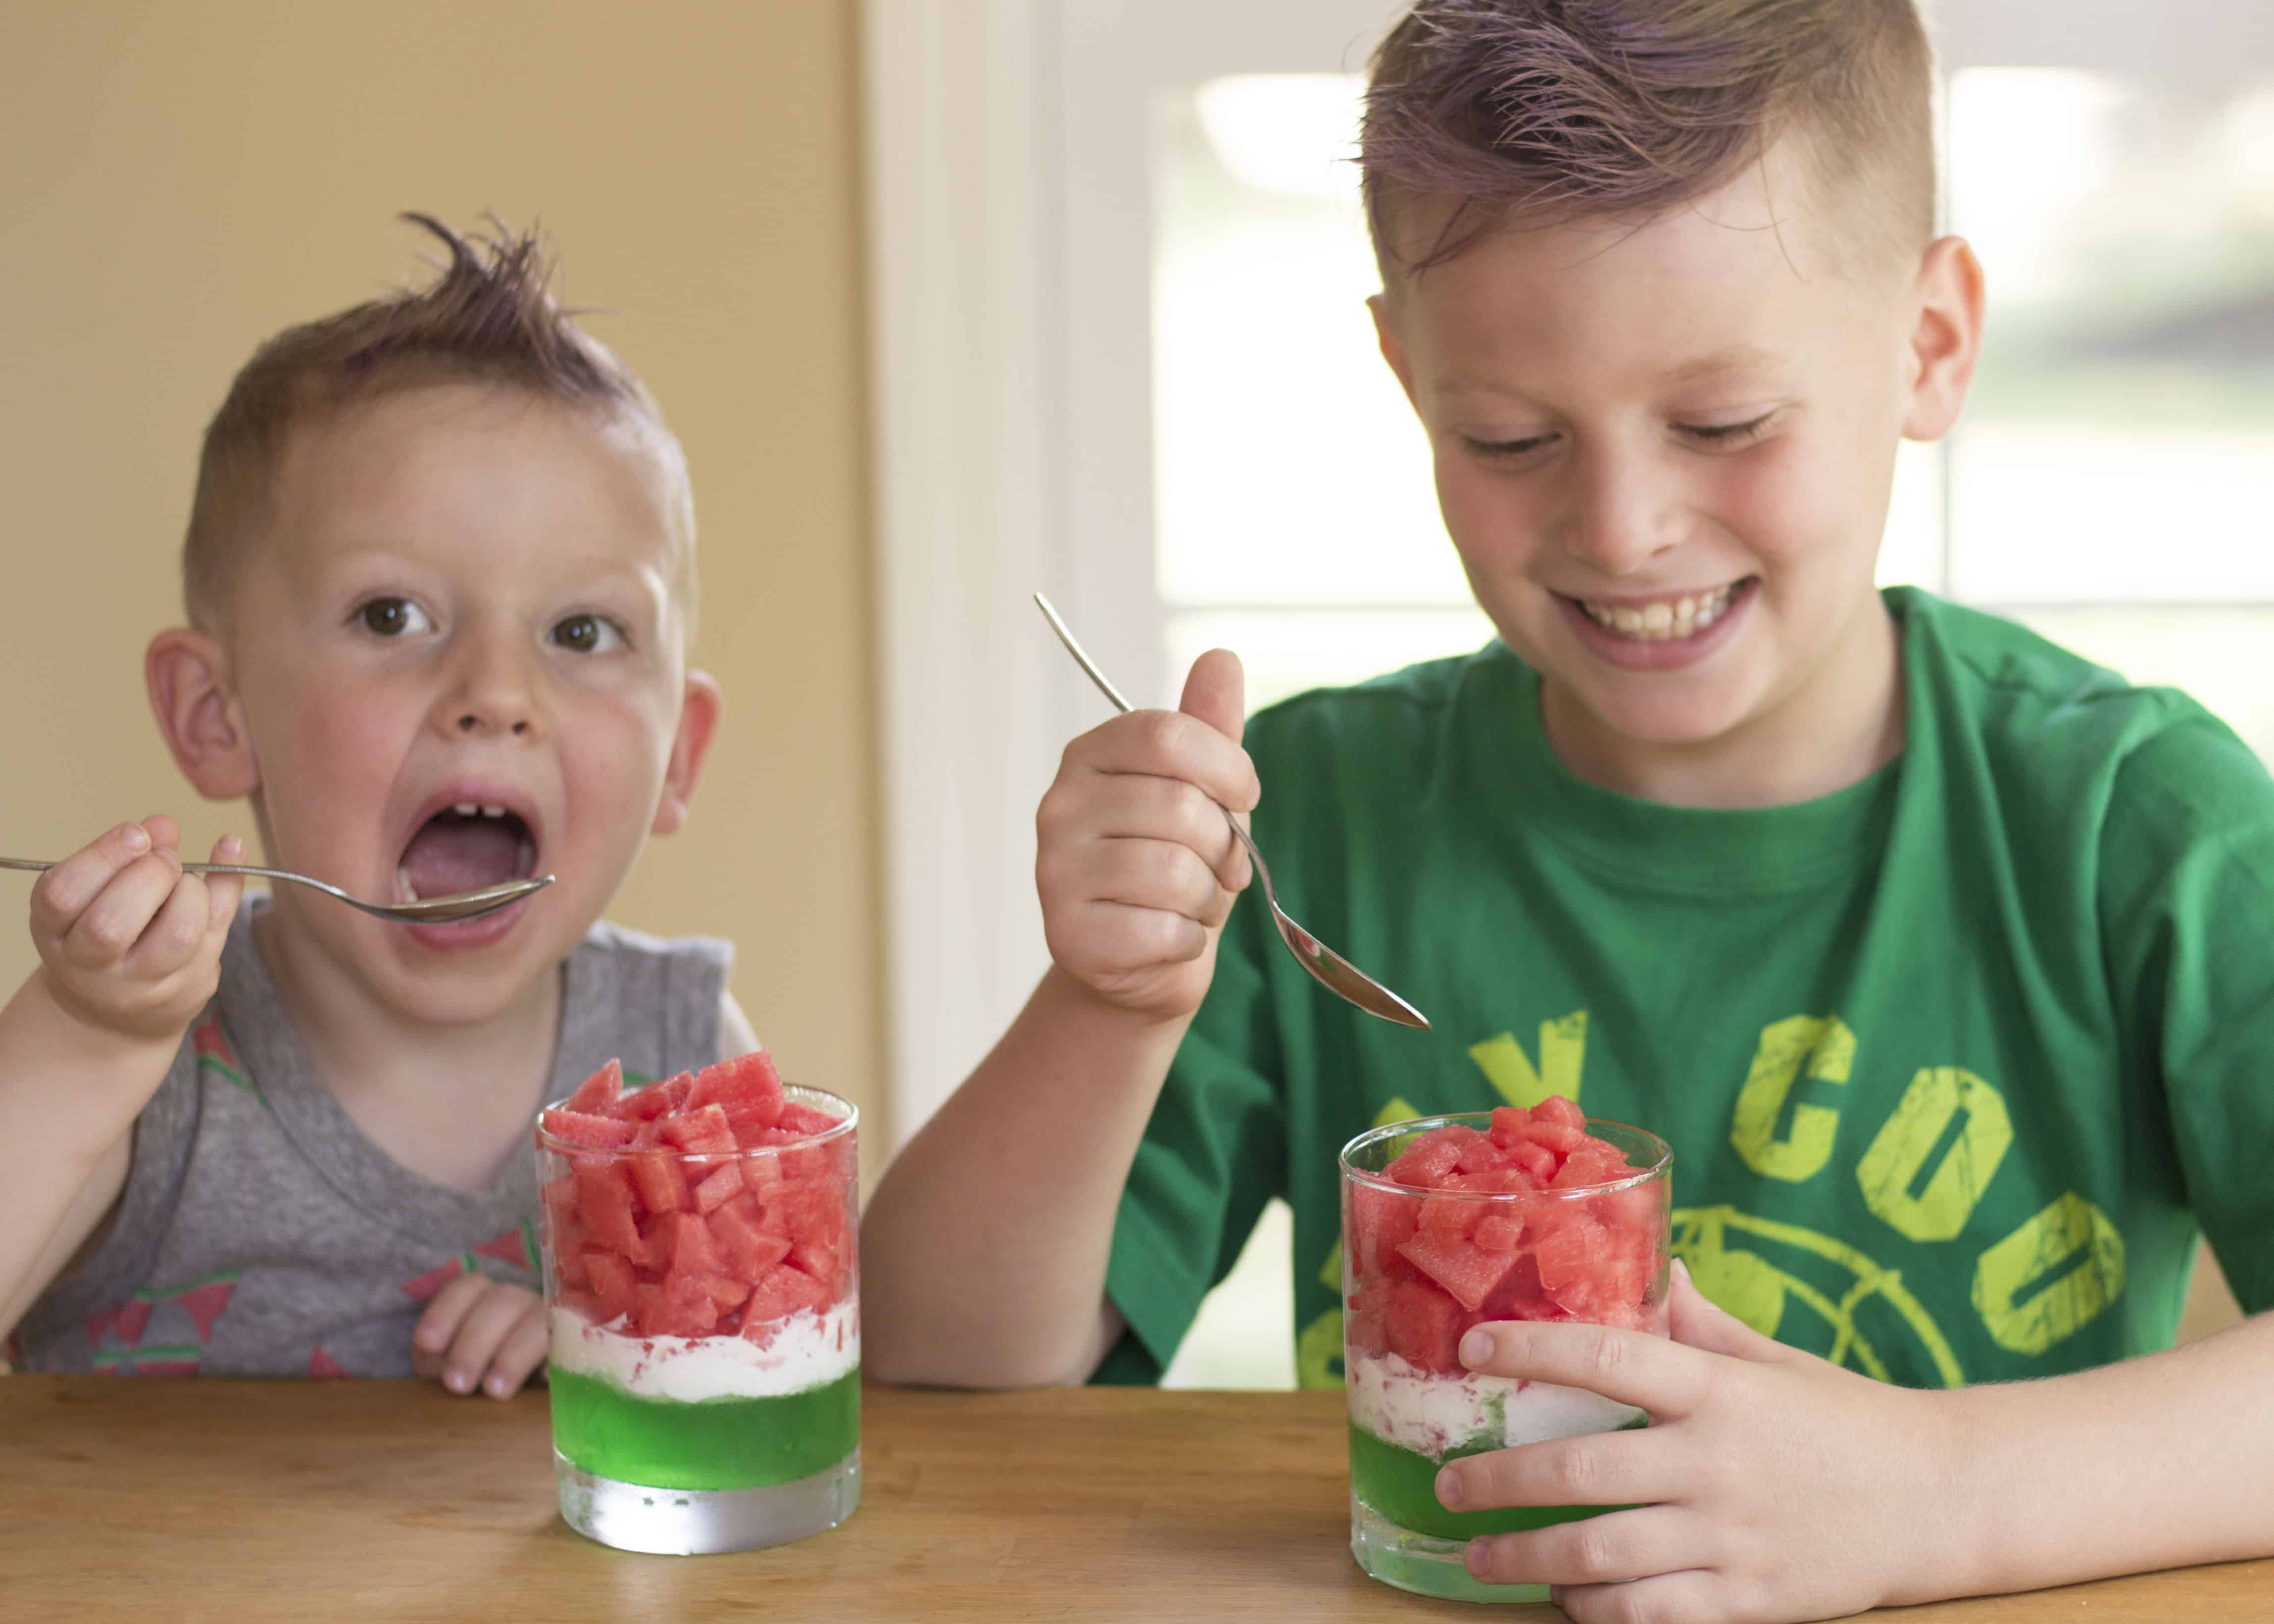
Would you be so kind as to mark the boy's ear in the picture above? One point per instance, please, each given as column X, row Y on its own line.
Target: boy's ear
column 698, row 723
column 187, row 673
column 1946, row 338
column 1393, row 348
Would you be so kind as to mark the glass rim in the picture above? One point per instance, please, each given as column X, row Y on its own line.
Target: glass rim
column 844, row 1125
column 1661, row 1165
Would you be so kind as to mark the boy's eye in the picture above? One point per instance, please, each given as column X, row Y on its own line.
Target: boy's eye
column 588, row 634
column 1727, row 433
column 1509, row 448
column 393, row 617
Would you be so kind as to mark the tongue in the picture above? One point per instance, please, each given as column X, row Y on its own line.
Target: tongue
column 456, row 855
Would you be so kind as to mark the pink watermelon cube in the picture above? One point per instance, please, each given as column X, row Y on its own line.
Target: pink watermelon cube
column 1467, row 1272
column 586, row 1132
column 717, row 1187
column 661, row 1183
column 748, row 1084
column 702, row 1133
column 749, row 1251
column 598, row 1093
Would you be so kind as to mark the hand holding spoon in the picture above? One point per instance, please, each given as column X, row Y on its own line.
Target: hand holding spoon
column 1338, row 974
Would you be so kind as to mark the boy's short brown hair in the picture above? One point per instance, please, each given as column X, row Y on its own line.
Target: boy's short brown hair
column 489, row 317
column 1553, row 111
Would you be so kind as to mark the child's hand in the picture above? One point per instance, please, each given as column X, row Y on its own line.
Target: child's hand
column 129, row 944
column 1770, row 1485
column 481, row 1332
column 1136, row 866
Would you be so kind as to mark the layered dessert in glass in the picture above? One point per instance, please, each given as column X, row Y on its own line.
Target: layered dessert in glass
column 1453, row 1221
column 700, row 1273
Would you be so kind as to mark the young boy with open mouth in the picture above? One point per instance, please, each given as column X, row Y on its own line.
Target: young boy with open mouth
column 440, row 581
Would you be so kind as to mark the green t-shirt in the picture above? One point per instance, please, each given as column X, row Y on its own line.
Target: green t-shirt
column 1953, row 1061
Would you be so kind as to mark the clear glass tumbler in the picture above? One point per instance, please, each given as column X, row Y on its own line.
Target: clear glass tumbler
column 705, row 1353
column 1450, row 1221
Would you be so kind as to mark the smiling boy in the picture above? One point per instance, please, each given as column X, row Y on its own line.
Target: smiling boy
column 440, row 574
column 1937, row 953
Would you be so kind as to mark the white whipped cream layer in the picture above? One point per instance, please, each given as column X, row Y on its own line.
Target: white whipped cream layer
column 1430, row 1414
column 808, row 1351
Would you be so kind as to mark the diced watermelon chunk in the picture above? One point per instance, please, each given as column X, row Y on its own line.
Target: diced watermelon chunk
column 1423, row 1326
column 1536, row 1161
column 782, row 1292
column 1563, row 1243
column 1591, row 1162
column 1428, row 1163
column 704, row 1132
column 820, row 1259
column 600, row 1091
column 675, row 1089
column 805, row 1119
column 603, row 1199
column 645, row 1104
column 724, row 1182
column 692, row 1252
column 612, row 1284
column 1497, row 1231
column 725, row 1290
column 749, row 1251
column 1507, row 1124
column 1468, row 1272
column 658, row 1176
column 1557, row 1109
column 585, row 1131
column 747, row 1084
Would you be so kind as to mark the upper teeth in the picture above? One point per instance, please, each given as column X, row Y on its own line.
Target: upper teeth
column 1665, row 620
column 468, row 808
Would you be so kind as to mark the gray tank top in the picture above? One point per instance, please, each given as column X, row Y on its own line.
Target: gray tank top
column 261, row 1234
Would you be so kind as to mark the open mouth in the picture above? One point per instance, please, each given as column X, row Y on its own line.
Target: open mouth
column 465, row 847
column 1668, row 619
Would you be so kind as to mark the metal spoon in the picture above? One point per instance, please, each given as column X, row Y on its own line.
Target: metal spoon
column 425, row 911
column 1338, row 974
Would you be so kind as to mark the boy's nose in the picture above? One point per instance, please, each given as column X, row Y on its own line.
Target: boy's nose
column 1622, row 513
column 494, row 694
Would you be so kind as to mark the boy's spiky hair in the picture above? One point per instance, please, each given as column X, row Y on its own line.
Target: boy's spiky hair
column 489, row 317
column 1553, row 110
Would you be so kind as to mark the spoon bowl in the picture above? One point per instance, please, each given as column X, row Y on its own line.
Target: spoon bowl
column 1338, row 974
column 425, row 911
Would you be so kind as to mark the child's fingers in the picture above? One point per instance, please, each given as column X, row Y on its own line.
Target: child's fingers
column 223, row 891
column 1593, row 1468
column 175, row 933
column 438, row 1327
column 1696, row 1323
column 520, row 1354
column 1609, row 1549
column 1169, row 744
column 481, row 1335
column 61, row 895
column 1650, row 1372
column 1215, row 691
column 164, row 833
column 108, row 927
column 1155, row 874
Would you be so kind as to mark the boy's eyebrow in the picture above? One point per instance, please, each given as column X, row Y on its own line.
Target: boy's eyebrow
column 1721, row 363
column 1743, row 358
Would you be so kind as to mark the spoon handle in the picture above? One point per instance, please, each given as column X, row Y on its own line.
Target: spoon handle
column 37, row 866
column 1081, row 656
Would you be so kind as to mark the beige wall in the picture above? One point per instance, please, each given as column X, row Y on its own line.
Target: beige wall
column 183, row 176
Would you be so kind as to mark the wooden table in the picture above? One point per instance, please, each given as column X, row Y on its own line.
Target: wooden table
column 182, row 1499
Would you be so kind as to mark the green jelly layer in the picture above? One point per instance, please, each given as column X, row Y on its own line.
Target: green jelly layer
column 720, row 1443
column 1402, row 1485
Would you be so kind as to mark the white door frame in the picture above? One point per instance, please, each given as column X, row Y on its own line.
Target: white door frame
column 1012, row 453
